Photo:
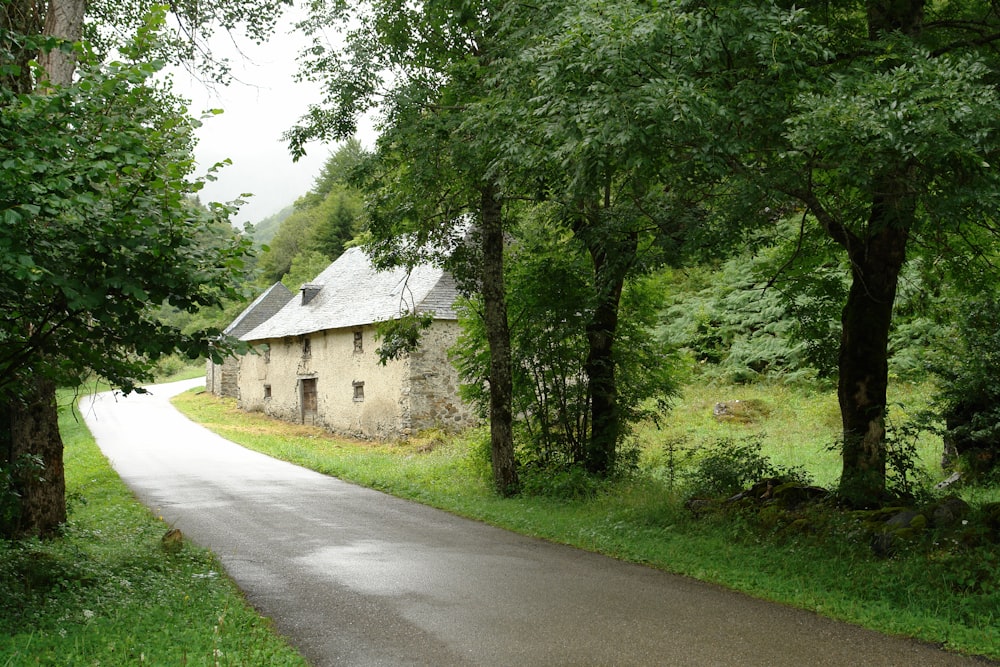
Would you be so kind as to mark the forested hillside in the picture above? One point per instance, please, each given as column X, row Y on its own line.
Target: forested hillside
column 264, row 230
column 320, row 225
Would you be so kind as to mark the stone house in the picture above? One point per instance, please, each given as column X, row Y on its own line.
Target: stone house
column 221, row 379
column 316, row 359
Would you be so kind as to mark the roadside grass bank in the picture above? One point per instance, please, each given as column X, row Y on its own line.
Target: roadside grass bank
column 175, row 369
column 108, row 591
column 944, row 594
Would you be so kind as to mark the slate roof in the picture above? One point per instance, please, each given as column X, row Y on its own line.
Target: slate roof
column 354, row 293
column 262, row 309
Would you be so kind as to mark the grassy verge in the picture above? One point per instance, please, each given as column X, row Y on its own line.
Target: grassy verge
column 175, row 370
column 799, row 424
column 948, row 595
column 107, row 592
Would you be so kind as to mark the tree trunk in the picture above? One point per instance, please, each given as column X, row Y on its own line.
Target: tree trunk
column 876, row 262
column 601, row 447
column 505, row 477
column 612, row 253
column 31, row 434
column 864, row 367
column 63, row 19
column 886, row 16
column 31, row 422
column 23, row 17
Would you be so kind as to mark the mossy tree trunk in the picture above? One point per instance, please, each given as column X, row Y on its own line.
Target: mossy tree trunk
column 34, row 448
column 505, row 477
column 864, row 362
column 36, row 503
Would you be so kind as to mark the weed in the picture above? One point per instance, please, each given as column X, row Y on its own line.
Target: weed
column 568, row 482
column 906, row 477
column 676, row 454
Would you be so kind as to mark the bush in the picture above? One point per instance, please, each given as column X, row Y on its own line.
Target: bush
column 729, row 466
column 568, row 482
column 969, row 397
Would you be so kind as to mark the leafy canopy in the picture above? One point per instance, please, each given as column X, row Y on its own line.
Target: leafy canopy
column 99, row 225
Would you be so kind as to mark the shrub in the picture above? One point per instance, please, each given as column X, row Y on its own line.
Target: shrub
column 568, row 482
column 969, row 397
column 729, row 466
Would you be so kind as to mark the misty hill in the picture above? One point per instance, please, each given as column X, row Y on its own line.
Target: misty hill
column 265, row 230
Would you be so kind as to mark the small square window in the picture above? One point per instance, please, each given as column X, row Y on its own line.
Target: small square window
column 358, row 342
column 359, row 391
column 267, row 391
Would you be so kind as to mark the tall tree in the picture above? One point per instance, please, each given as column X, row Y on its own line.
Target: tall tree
column 889, row 150
column 423, row 66
column 878, row 119
column 99, row 227
column 550, row 286
column 63, row 21
column 573, row 88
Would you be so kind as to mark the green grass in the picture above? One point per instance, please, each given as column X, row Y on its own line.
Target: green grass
column 800, row 426
column 946, row 594
column 175, row 369
column 106, row 592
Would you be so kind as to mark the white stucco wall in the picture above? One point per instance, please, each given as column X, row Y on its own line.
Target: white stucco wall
column 400, row 398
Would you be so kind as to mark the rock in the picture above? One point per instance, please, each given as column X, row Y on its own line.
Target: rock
column 952, row 479
column 700, row 506
column 759, row 492
column 948, row 511
column 740, row 412
column 793, row 495
column 800, row 527
column 907, row 519
column 903, row 525
column 991, row 517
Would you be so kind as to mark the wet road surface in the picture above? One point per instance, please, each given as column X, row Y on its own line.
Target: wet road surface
column 355, row 577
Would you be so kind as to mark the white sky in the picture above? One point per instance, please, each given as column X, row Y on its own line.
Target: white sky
column 262, row 102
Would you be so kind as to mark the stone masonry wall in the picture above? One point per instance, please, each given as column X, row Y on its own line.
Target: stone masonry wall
column 434, row 382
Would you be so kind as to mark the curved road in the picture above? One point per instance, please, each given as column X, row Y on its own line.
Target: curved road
column 355, row 577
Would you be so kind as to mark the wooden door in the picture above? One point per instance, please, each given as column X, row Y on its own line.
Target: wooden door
column 310, row 401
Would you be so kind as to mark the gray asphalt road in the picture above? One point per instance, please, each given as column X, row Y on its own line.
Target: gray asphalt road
column 355, row 577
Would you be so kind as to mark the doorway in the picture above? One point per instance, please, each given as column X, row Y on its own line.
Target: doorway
column 310, row 401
